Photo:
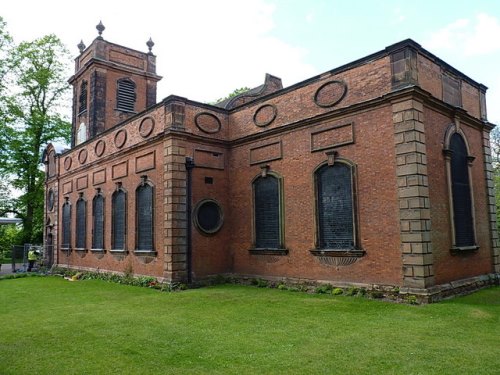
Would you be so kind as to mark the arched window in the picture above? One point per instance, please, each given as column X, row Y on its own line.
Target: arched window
column 66, row 225
column 98, row 232
column 125, row 95
column 335, row 214
column 119, row 219
column 267, row 212
column 463, row 220
column 81, row 223
column 145, row 217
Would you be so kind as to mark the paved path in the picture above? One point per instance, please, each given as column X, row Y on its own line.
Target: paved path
column 7, row 268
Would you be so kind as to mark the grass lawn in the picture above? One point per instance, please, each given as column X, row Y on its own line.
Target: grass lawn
column 53, row 326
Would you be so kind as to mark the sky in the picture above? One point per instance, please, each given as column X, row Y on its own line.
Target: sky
column 206, row 49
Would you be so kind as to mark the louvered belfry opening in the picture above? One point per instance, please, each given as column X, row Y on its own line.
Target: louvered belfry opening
column 119, row 219
column 66, row 226
column 98, row 235
column 80, row 223
column 144, row 201
column 125, row 95
column 335, row 207
column 83, row 97
column 460, row 186
column 267, row 212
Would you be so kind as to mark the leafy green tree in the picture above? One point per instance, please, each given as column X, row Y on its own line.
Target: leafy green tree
column 232, row 94
column 35, row 92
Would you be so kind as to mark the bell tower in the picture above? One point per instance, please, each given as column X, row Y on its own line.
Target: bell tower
column 111, row 84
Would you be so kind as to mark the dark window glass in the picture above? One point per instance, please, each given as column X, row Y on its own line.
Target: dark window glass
column 267, row 212
column 80, row 224
column 208, row 216
column 125, row 95
column 335, row 207
column 98, row 238
column 66, row 226
column 119, row 220
column 462, row 204
column 83, row 97
column 144, row 201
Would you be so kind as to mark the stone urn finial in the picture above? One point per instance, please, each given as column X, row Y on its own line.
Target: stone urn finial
column 100, row 28
column 150, row 44
column 81, row 46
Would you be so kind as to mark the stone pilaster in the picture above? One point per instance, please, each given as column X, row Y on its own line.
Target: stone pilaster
column 175, row 203
column 413, row 194
column 492, row 211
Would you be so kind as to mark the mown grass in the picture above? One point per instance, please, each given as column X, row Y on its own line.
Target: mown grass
column 51, row 326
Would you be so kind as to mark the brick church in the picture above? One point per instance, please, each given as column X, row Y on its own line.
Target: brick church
column 375, row 173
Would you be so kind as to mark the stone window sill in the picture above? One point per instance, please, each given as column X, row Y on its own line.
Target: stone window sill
column 98, row 250
column 80, row 250
column 268, row 251
column 66, row 249
column 118, row 251
column 145, row 253
column 353, row 253
column 455, row 250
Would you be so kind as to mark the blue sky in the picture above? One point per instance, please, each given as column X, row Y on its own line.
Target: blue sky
column 205, row 49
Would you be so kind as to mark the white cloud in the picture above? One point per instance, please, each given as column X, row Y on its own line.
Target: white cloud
column 478, row 36
column 204, row 49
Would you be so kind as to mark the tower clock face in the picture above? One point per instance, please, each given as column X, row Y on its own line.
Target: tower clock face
column 50, row 200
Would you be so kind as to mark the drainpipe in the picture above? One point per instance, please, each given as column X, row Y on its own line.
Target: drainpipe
column 189, row 193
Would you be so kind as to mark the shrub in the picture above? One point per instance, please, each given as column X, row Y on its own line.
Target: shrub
column 352, row 291
column 324, row 289
column 337, row 291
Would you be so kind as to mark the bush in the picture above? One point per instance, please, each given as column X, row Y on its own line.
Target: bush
column 352, row 291
column 324, row 289
column 337, row 291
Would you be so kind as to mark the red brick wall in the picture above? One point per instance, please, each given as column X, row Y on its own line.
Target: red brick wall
column 448, row 267
column 377, row 199
column 124, row 164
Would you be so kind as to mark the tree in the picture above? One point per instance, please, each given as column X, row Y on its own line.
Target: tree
column 36, row 90
column 236, row 92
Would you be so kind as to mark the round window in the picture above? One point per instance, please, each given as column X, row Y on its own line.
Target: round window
column 50, row 200
column 208, row 216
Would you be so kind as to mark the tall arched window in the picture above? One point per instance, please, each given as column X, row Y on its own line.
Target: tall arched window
column 145, row 217
column 66, row 225
column 335, row 214
column 463, row 220
column 81, row 223
column 125, row 95
column 267, row 212
column 119, row 219
column 98, row 212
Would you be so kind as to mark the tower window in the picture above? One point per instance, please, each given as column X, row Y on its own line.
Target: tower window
column 125, row 95
column 83, row 97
